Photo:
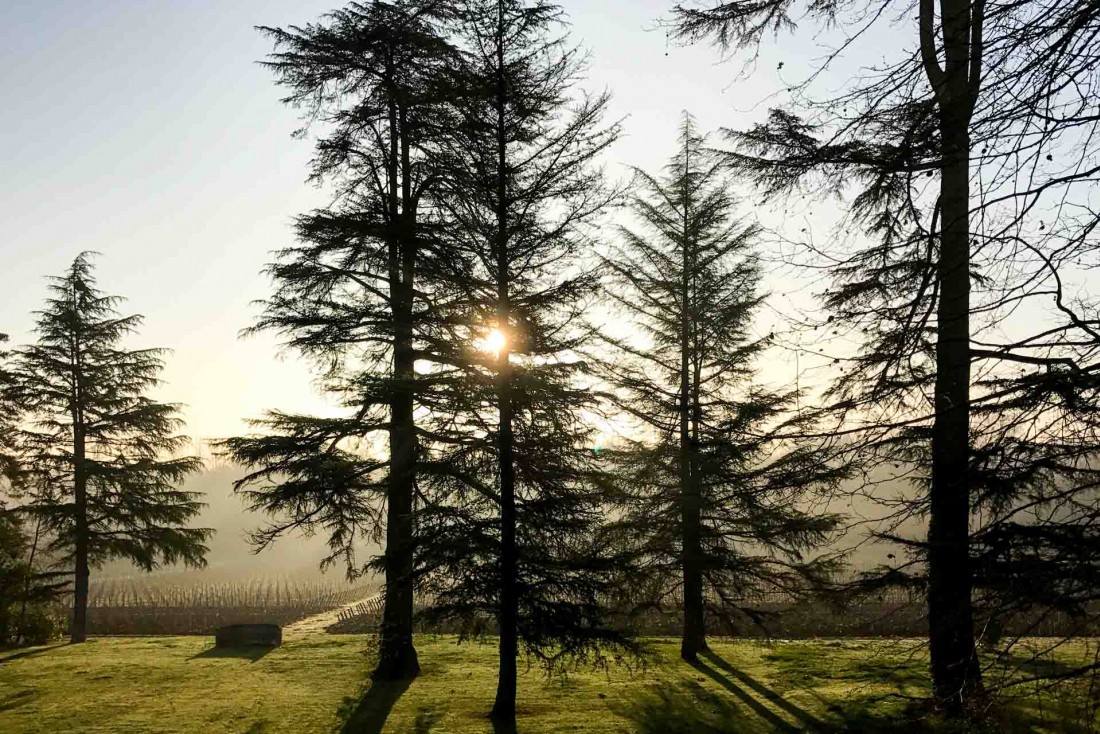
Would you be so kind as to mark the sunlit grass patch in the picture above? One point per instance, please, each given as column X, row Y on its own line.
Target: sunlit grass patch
column 319, row 683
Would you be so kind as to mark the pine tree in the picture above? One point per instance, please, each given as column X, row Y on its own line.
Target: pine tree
column 510, row 527
column 710, row 489
column 355, row 295
column 968, row 158
column 9, row 416
column 98, row 463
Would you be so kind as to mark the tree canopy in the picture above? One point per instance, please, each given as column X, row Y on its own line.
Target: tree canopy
column 710, row 490
column 967, row 159
column 99, row 459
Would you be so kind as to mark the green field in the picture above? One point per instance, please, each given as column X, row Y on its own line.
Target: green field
column 318, row 683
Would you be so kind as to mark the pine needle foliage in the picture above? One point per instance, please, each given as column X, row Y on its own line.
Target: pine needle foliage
column 712, row 496
column 510, row 527
column 9, row 417
column 357, row 295
column 99, row 458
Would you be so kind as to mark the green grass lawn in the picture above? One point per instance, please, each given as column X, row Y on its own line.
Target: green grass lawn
column 318, row 683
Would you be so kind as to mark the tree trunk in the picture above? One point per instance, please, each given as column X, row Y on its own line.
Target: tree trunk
column 693, row 641
column 504, row 707
column 82, row 540
column 79, row 632
column 956, row 675
column 397, row 657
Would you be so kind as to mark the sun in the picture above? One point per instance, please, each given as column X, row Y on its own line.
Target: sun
column 495, row 341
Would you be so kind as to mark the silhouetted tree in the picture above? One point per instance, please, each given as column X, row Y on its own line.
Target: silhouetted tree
column 8, row 416
column 710, row 494
column 20, row 583
column 24, row 590
column 510, row 529
column 353, row 295
column 97, row 464
column 971, row 156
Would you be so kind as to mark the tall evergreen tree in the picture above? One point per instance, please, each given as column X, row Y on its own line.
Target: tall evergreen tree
column 710, row 490
column 991, row 415
column 510, row 527
column 9, row 415
column 99, row 465
column 354, row 294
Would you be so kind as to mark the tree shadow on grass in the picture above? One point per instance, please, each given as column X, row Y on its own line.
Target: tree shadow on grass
column 1042, row 664
column 897, row 674
column 747, row 706
column 686, row 707
column 725, row 675
column 32, row 652
column 895, row 714
column 252, row 654
column 426, row 718
column 859, row 714
column 744, row 706
column 17, row 699
column 368, row 715
column 917, row 718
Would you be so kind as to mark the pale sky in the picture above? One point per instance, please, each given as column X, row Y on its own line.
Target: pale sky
column 146, row 131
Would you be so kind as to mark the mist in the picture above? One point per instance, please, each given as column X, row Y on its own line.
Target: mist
column 232, row 556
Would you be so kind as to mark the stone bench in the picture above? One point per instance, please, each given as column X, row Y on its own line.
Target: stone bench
column 248, row 635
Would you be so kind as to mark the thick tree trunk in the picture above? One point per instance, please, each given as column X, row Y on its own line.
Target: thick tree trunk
column 955, row 671
column 79, row 631
column 397, row 656
column 693, row 641
column 82, row 541
column 956, row 675
column 504, row 707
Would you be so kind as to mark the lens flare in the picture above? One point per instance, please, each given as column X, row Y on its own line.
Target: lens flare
column 495, row 341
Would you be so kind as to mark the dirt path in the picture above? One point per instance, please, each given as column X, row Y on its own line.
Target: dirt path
column 320, row 622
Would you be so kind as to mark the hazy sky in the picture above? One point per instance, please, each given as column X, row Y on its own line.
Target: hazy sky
column 146, row 131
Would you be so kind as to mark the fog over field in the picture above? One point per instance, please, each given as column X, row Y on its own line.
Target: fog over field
column 231, row 555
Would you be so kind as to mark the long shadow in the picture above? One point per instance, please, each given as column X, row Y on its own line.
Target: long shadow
column 34, row 652
column 1041, row 666
column 17, row 699
column 799, row 713
column 373, row 708
column 253, row 653
column 765, row 713
column 686, row 707
column 426, row 718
